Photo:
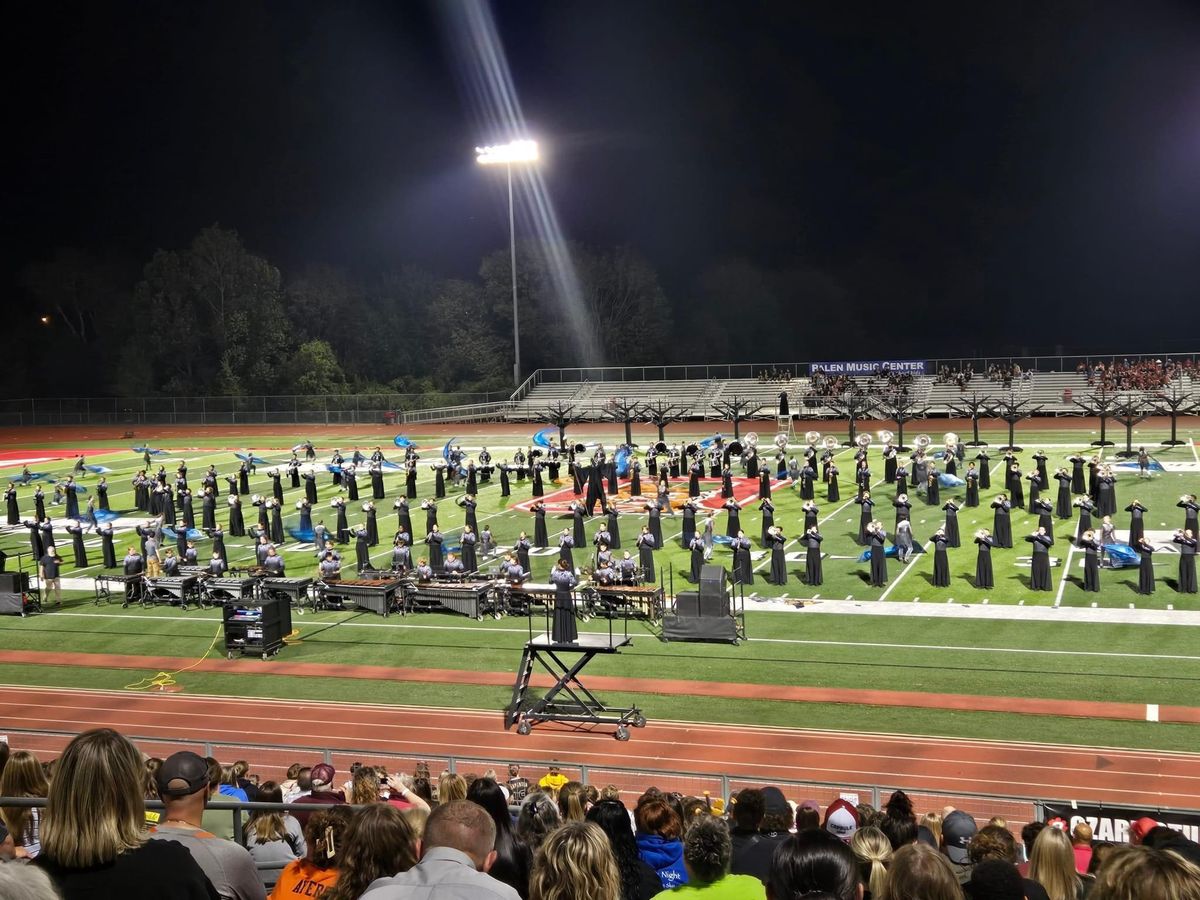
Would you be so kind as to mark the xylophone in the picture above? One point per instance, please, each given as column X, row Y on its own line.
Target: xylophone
column 106, row 588
column 644, row 601
column 376, row 594
column 291, row 594
column 222, row 590
column 474, row 599
column 180, row 589
column 519, row 599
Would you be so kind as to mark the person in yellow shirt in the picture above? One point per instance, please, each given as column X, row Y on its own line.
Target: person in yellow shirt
column 553, row 780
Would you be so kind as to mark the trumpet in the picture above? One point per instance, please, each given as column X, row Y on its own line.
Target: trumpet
column 368, row 506
column 300, row 504
column 256, row 499
column 273, row 471
column 1188, row 498
column 399, row 504
column 983, row 533
column 234, row 500
column 336, row 502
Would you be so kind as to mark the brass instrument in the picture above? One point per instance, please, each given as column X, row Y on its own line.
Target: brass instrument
column 829, row 442
column 863, row 441
column 921, row 442
column 885, row 437
column 752, row 439
column 734, row 448
column 691, row 450
column 811, row 437
column 660, row 448
column 781, row 440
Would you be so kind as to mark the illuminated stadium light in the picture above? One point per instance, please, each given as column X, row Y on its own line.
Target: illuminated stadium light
column 507, row 154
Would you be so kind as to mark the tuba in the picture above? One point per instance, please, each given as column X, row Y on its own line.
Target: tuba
column 885, row 437
column 752, row 439
column 921, row 442
column 950, row 439
column 781, row 440
column 811, row 437
column 863, row 441
column 660, row 448
column 733, row 448
column 829, row 442
column 691, row 450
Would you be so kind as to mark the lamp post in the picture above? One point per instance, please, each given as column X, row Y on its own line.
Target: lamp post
column 506, row 155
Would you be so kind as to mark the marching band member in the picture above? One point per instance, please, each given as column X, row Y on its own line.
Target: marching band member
column 1137, row 525
column 1186, row 539
column 812, row 558
column 1145, row 566
column 743, row 571
column 778, row 544
column 1091, row 560
column 941, row 563
column 1040, row 562
column 983, row 559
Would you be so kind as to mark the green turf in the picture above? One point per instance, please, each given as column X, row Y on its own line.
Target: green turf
column 956, row 655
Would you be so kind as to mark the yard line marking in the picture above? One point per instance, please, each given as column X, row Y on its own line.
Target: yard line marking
column 904, row 571
column 1192, row 444
column 1062, row 582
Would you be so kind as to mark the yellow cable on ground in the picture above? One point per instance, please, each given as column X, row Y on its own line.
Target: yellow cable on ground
column 165, row 680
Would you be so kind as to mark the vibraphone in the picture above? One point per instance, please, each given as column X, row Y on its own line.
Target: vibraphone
column 519, row 599
column 222, row 590
column 469, row 598
column 642, row 601
column 130, row 588
column 376, row 594
column 181, row 589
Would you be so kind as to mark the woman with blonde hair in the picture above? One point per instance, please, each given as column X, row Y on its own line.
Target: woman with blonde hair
column 378, row 844
column 572, row 802
column 451, row 787
column 933, row 821
column 273, row 838
column 919, row 872
column 1141, row 873
column 575, row 863
column 365, row 787
column 873, row 851
column 24, row 777
column 93, row 838
column 1052, row 864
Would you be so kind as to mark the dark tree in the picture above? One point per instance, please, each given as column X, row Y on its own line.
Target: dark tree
column 851, row 405
column 1175, row 403
column 627, row 413
column 1101, row 404
column 661, row 414
column 901, row 408
column 737, row 409
column 973, row 408
column 561, row 415
column 1012, row 411
column 1129, row 412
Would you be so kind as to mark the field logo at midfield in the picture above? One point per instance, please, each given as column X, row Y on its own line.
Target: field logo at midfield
column 745, row 490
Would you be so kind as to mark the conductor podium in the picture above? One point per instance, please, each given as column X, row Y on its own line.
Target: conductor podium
column 708, row 614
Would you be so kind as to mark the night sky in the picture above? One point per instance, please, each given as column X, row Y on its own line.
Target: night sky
column 987, row 176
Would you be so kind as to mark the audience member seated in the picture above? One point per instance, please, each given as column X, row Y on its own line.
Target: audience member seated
column 23, row 776
column 873, row 851
column 575, row 863
column 755, row 856
column 183, row 785
column 811, row 863
column 378, row 844
column 455, row 856
column 707, row 854
column 1143, row 873
column 1052, row 865
column 93, row 842
column 638, row 880
column 537, row 818
column 315, row 873
column 321, row 778
column 919, row 872
column 273, row 838
column 658, row 832
column 22, row 882
column 513, row 858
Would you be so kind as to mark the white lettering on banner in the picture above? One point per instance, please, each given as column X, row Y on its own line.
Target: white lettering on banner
column 869, row 367
column 1116, row 831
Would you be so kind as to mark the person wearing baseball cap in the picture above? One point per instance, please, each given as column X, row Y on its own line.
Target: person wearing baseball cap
column 841, row 819
column 957, row 830
column 773, row 829
column 322, row 776
column 184, row 786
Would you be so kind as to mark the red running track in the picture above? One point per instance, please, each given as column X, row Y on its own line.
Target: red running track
column 947, row 766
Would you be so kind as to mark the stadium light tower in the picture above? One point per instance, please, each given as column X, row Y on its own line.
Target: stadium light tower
column 516, row 152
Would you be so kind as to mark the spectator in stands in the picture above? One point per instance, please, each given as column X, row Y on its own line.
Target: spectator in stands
column 575, row 863
column 273, row 838
column 1164, row 838
column 695, row 808
column 898, row 822
column 553, row 780
column 572, row 802
column 811, row 862
column 1029, row 833
column 379, row 844
column 918, row 872
column 1142, row 873
column 841, row 820
column 538, row 817
column 1139, row 828
column 1081, row 846
column 229, row 786
column 7, row 850
column 288, row 785
column 18, row 882
column 518, row 785
column 401, row 794
column 1100, row 852
column 184, row 785
column 455, row 856
column 321, row 777
column 873, row 851
column 315, row 873
column 364, row 786
column 513, row 858
column 994, row 879
column 707, row 853
column 958, row 829
column 24, row 777
column 747, row 812
column 932, row 821
column 300, row 787
column 996, row 842
column 658, row 831
column 638, row 880
column 773, row 830
column 93, row 843
column 1052, row 865
column 451, row 787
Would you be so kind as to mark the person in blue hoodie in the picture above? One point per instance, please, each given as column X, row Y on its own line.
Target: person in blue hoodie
column 659, row 829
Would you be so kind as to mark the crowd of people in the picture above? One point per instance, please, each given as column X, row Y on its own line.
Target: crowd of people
column 881, row 382
column 387, row 836
column 1134, row 375
column 774, row 375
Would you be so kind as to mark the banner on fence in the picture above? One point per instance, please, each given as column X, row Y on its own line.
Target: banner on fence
column 871, row 366
column 1111, row 823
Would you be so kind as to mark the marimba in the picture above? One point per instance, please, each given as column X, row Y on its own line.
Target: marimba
column 181, row 589
column 224, row 590
column 474, row 599
column 376, row 594
column 519, row 599
column 645, row 601
column 130, row 588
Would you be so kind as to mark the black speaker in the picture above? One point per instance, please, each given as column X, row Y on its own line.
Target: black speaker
column 713, row 578
column 14, row 582
column 687, row 604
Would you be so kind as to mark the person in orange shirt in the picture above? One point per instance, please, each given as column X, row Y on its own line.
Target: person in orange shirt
column 318, row 871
